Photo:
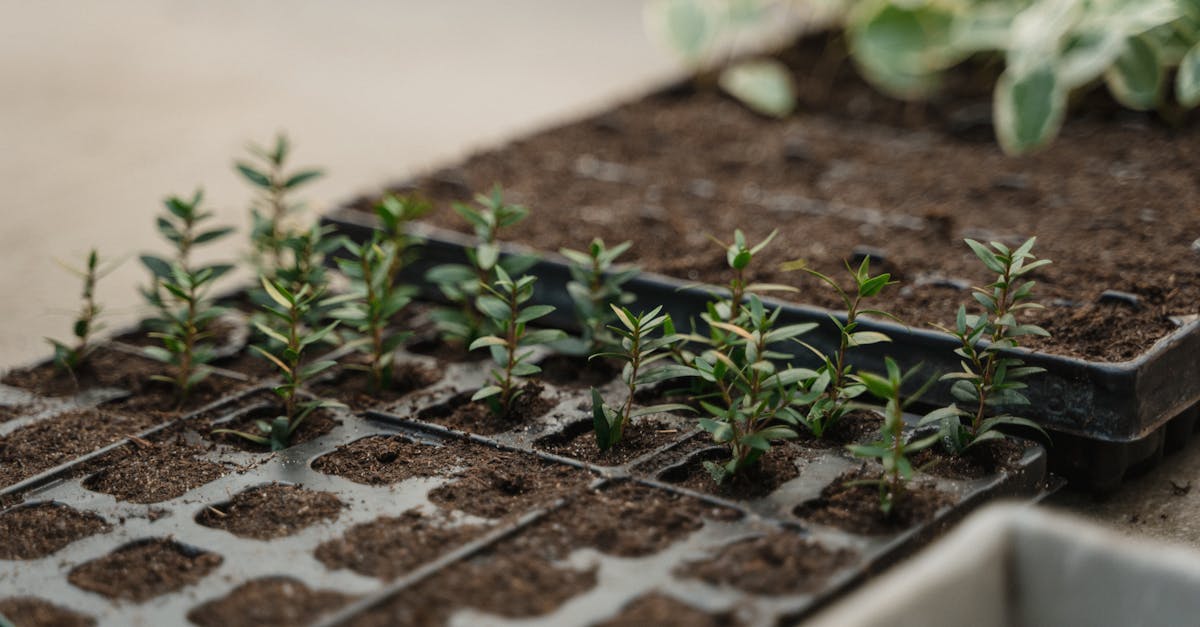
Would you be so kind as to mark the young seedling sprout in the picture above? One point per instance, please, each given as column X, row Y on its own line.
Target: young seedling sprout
column 267, row 173
column 755, row 396
column 395, row 212
column 990, row 376
column 180, row 293
column 892, row 450
column 502, row 303
column 288, row 309
column 639, row 349
column 462, row 284
column 68, row 357
column 831, row 389
column 370, row 304
column 595, row 288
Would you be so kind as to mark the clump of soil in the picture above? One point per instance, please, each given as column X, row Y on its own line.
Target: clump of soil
column 34, row 612
column 658, row 610
column 271, row 511
column 855, row 508
column 578, row 371
column 464, row 414
column 391, row 546
column 779, row 563
column 578, row 441
column 317, row 424
column 775, row 468
column 145, row 569
column 154, row 472
column 265, row 602
column 498, row 483
column 855, row 427
column 384, row 459
column 34, row 531
column 981, row 460
column 48, row 443
column 353, row 387
column 512, row 580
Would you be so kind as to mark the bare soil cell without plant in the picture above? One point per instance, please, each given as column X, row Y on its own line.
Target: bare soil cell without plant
column 152, row 472
column 391, row 546
column 271, row 511
column 41, row 529
column 24, row 611
column 143, row 570
column 853, row 168
column 268, row 602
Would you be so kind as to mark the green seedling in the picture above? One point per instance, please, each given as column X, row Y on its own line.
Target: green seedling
column 395, row 212
column 832, row 387
column 288, row 309
column 892, row 450
column 595, row 288
column 462, row 284
column 267, row 173
column 991, row 377
column 180, row 294
column 755, row 396
column 639, row 349
column 504, row 305
column 371, row 301
column 68, row 357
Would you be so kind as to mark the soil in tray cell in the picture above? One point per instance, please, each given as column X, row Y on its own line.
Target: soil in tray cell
column 48, row 443
column 464, row 414
column 353, row 387
column 391, row 546
column 315, row 425
column 855, row 508
column 578, row 371
column 38, row 530
column 660, row 610
column 152, row 472
column 775, row 468
column 144, row 569
column 855, row 427
column 385, row 459
column 271, row 511
column 267, row 602
column 982, row 460
column 496, row 483
column 34, row 612
column 779, row 563
column 578, row 441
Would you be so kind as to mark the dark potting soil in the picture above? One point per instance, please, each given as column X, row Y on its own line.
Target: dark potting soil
column 854, row 168
column 271, row 511
column 391, row 546
column 10, row 412
column 464, row 414
column 981, row 460
column 268, row 602
column 384, row 459
column 34, row 612
column 48, row 443
column 442, row 350
column 779, row 563
column 855, row 508
column 578, row 371
column 34, row 531
column 152, row 472
column 353, row 387
column 496, row 483
column 776, row 467
column 145, row 569
column 315, row 425
column 855, row 427
column 659, row 610
column 578, row 441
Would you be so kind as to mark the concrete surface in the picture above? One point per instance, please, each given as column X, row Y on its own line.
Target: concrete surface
column 107, row 107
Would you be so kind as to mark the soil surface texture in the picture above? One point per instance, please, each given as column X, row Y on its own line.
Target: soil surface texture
column 464, row 414
column 271, row 511
column 391, row 546
column 853, row 170
column 47, row 443
column 143, row 570
column 154, row 472
column 267, row 602
column 34, row 531
column 317, row 424
column 384, row 459
column 497, row 483
column 33, row 612
column 775, row 468
column 780, row 563
column 658, row 610
column 578, row 441
column 353, row 387
column 855, row 508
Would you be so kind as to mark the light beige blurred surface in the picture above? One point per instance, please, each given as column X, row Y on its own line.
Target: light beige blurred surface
column 105, row 107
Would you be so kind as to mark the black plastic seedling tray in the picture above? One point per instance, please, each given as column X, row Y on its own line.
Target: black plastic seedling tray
column 618, row 579
column 1106, row 417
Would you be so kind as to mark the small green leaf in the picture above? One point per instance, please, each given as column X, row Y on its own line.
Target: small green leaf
column 301, row 177
column 1187, row 78
column 764, row 85
column 486, row 392
column 1136, row 78
column 254, row 176
column 1028, row 110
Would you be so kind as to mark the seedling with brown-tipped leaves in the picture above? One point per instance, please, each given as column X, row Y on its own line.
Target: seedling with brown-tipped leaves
column 595, row 289
column 892, row 449
column 640, row 347
column 991, row 376
column 68, row 357
column 267, row 173
column 504, row 305
column 832, row 390
column 288, row 309
column 462, row 284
